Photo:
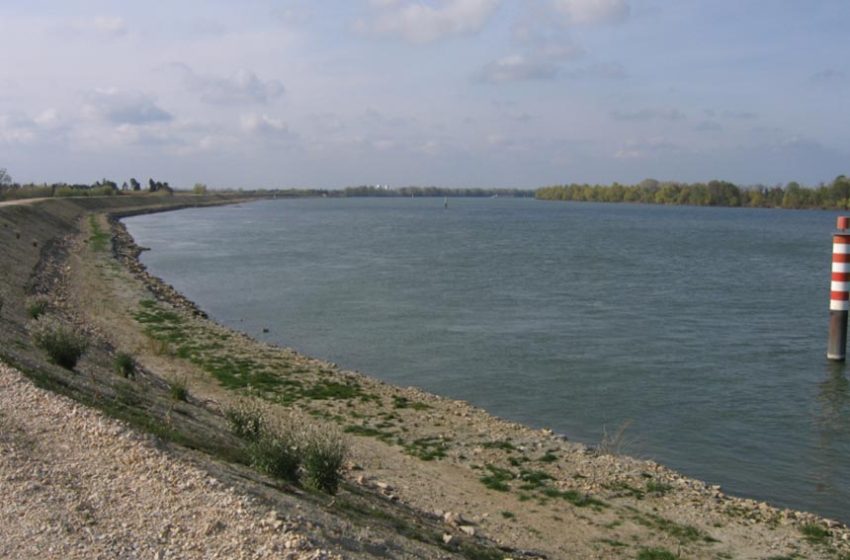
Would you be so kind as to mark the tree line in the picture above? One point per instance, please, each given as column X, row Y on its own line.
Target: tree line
column 104, row 187
column 835, row 195
column 371, row 190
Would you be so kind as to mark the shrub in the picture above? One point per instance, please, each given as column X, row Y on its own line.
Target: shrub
column 64, row 344
column 37, row 306
column 246, row 420
column 276, row 453
column 125, row 365
column 325, row 451
column 179, row 389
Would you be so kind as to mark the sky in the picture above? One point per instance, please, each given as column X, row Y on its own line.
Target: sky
column 452, row 93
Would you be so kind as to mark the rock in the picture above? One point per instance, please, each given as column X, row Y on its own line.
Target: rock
column 467, row 529
column 453, row 519
column 447, row 538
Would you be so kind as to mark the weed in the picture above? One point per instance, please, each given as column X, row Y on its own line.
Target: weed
column 814, row 533
column 656, row 487
column 246, row 420
column 428, row 448
column 533, row 479
column 404, row 402
column 325, row 451
column 613, row 542
column 684, row 533
column 508, row 515
column 655, row 554
column 574, row 497
column 548, row 457
column 37, row 306
column 499, row 444
column 517, row 461
column 125, row 365
column 612, row 444
column 179, row 389
column 64, row 344
column 497, row 479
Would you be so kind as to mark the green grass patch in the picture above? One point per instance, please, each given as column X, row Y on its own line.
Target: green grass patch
column 574, row 497
column 99, row 238
column 814, row 533
column 548, row 457
column 497, row 479
column 656, row 487
column 428, row 448
column 533, row 479
column 504, row 445
column 655, row 554
column 404, row 402
column 684, row 533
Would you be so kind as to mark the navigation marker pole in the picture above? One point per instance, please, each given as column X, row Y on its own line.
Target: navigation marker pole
column 839, row 291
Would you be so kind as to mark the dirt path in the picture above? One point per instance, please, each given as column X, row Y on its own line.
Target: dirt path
column 21, row 201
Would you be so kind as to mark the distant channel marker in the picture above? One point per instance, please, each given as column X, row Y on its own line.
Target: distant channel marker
column 839, row 291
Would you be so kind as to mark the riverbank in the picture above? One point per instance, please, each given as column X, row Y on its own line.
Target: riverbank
column 459, row 475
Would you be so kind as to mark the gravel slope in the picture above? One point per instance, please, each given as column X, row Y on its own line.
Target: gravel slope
column 74, row 484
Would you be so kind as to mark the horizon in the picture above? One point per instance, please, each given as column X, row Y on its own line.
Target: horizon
column 451, row 93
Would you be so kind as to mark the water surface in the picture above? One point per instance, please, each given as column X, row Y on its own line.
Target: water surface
column 705, row 328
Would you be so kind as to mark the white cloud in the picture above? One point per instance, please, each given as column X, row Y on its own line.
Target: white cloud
column 244, row 86
column 593, row 11
column 118, row 107
column 420, row 22
column 264, row 125
column 517, row 68
column 105, row 25
column 648, row 115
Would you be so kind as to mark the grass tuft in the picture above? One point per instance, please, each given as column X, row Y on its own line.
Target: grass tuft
column 655, row 554
column 64, row 345
column 125, row 365
column 179, row 390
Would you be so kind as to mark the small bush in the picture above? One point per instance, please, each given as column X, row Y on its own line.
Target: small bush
column 325, row 451
column 37, row 306
column 125, row 365
column 246, row 420
column 64, row 344
column 179, row 390
column 276, row 453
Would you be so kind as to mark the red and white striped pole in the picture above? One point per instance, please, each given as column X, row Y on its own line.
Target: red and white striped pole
column 839, row 291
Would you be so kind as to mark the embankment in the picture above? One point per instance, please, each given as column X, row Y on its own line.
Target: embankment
column 429, row 477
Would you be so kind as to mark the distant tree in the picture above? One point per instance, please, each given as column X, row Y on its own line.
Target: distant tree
column 5, row 178
column 125, row 186
column 199, row 188
column 841, row 191
column 152, row 185
column 135, row 184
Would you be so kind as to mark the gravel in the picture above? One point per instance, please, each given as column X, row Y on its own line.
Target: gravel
column 75, row 484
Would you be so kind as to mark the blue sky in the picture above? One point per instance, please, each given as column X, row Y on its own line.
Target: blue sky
column 481, row 93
